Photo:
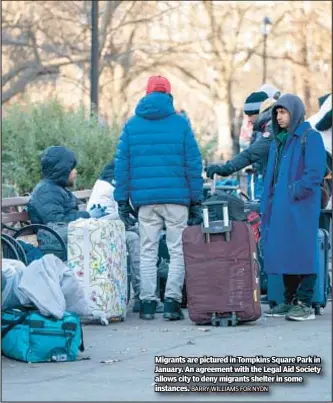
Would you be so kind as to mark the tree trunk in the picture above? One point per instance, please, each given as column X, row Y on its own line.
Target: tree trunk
column 305, row 59
column 224, row 140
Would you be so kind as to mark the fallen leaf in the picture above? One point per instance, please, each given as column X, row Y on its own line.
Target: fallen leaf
column 143, row 349
column 204, row 329
column 190, row 342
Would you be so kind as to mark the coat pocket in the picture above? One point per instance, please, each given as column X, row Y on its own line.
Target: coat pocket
column 291, row 192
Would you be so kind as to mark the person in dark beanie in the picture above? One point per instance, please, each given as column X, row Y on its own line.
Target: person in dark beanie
column 258, row 108
column 158, row 169
column 290, row 207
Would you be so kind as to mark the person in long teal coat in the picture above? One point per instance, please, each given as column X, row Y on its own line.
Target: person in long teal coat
column 290, row 207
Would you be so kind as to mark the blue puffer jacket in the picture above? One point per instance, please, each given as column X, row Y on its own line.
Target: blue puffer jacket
column 51, row 201
column 158, row 160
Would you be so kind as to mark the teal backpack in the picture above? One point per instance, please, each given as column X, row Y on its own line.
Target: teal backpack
column 31, row 337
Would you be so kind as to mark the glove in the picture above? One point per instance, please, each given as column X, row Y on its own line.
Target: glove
column 124, row 211
column 219, row 169
column 195, row 215
column 97, row 211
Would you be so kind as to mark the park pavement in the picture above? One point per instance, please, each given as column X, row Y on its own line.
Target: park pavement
column 121, row 367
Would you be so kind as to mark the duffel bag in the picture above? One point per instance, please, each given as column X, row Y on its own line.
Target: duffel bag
column 31, row 337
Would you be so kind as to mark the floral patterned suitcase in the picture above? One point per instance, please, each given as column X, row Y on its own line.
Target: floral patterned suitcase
column 97, row 254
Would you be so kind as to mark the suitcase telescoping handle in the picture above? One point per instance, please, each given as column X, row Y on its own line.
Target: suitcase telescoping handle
column 219, row 226
column 213, row 187
column 216, row 227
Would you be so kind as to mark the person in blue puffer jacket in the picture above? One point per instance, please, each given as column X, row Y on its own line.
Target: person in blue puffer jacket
column 158, row 170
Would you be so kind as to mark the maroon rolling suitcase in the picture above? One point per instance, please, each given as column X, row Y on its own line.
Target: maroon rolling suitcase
column 222, row 271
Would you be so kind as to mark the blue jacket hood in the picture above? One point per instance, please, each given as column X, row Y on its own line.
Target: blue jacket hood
column 155, row 106
column 294, row 106
column 57, row 162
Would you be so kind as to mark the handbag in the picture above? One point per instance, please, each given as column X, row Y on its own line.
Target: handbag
column 31, row 337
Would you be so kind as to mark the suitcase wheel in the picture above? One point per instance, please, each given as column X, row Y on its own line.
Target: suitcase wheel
column 220, row 321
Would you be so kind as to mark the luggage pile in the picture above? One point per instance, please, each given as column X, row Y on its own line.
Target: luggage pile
column 43, row 304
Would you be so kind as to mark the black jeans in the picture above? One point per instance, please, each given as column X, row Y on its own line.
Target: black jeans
column 300, row 287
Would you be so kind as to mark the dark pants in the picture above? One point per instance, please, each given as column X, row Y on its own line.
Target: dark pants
column 325, row 223
column 300, row 287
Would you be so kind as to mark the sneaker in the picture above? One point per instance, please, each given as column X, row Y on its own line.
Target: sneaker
column 300, row 312
column 172, row 310
column 160, row 307
column 278, row 311
column 147, row 309
column 136, row 305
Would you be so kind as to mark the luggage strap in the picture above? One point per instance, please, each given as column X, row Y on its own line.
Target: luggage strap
column 14, row 323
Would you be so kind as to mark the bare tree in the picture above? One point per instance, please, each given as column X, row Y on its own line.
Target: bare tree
column 211, row 50
column 50, row 36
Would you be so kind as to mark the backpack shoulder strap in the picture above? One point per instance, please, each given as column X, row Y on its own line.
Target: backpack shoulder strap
column 14, row 323
column 304, row 139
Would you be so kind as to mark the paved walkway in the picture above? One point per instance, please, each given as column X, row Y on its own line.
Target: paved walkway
column 130, row 347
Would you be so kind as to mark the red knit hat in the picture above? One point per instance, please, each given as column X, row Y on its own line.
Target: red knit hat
column 158, row 84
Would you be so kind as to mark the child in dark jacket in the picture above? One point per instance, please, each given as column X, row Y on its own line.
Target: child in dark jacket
column 51, row 203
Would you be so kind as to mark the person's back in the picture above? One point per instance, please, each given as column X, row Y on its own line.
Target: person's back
column 158, row 167
column 51, row 201
column 164, row 165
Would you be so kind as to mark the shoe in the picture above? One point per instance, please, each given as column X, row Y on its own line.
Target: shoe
column 172, row 310
column 160, row 307
column 300, row 312
column 264, row 299
column 278, row 311
column 147, row 309
column 136, row 306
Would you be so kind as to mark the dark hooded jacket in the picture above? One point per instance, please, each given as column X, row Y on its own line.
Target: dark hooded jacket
column 158, row 159
column 50, row 201
column 257, row 153
column 290, row 204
